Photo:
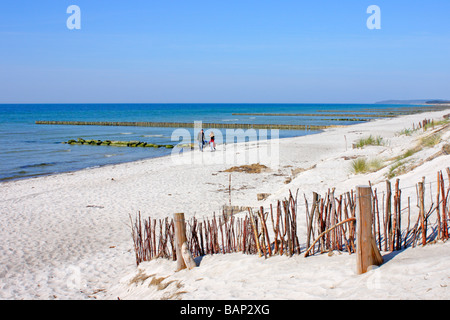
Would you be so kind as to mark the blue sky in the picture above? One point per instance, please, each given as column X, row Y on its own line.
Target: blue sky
column 236, row 51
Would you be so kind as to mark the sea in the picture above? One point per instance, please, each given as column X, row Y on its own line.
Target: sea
column 30, row 150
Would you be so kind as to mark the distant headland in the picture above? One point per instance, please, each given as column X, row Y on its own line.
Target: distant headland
column 416, row 102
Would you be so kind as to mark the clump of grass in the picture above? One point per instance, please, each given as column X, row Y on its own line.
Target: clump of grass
column 359, row 165
column 398, row 168
column 409, row 153
column 375, row 164
column 430, row 141
column 407, row 132
column 362, row 165
column 370, row 141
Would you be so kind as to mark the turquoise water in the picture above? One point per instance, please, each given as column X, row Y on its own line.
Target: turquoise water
column 30, row 150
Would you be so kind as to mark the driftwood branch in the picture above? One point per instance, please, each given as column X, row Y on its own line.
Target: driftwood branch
column 326, row 231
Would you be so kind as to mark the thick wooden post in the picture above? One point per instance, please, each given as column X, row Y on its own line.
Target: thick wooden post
column 180, row 238
column 367, row 253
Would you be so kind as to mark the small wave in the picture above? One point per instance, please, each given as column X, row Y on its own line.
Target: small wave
column 110, row 155
column 126, row 133
column 38, row 165
column 92, row 167
column 23, row 175
column 16, row 151
column 152, row 135
column 225, row 120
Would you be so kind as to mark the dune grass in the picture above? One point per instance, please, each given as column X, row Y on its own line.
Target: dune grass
column 398, row 168
column 362, row 165
column 400, row 165
column 407, row 132
column 370, row 141
column 430, row 141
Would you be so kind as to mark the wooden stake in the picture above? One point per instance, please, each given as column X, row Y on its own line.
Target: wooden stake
column 275, row 230
column 333, row 245
column 266, row 233
column 444, row 207
column 438, row 212
column 376, row 208
column 367, row 253
column 422, row 213
column 255, row 232
column 388, row 221
column 180, row 238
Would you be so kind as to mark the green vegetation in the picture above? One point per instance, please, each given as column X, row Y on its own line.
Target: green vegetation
column 362, row 165
column 398, row 168
column 359, row 165
column 370, row 141
column 436, row 123
column 407, row 132
column 400, row 164
column 409, row 153
column 430, row 141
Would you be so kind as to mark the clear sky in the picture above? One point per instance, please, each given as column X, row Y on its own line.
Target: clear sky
column 265, row 51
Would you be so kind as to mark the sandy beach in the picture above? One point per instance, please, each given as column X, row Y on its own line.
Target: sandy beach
column 67, row 236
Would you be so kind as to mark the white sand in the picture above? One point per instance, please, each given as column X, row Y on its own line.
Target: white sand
column 67, row 236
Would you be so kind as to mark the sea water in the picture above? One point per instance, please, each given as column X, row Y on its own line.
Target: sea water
column 30, row 150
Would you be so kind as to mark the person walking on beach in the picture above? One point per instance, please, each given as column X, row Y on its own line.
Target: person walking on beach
column 212, row 143
column 201, row 139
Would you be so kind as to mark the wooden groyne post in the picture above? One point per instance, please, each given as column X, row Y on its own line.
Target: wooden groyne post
column 257, row 126
column 367, row 253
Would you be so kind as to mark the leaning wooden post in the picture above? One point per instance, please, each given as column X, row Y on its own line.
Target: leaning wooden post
column 180, row 238
column 367, row 253
column 255, row 232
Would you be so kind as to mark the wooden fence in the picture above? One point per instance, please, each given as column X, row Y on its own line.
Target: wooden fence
column 330, row 221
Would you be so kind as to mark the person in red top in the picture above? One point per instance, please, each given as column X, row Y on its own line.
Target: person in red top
column 212, row 143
